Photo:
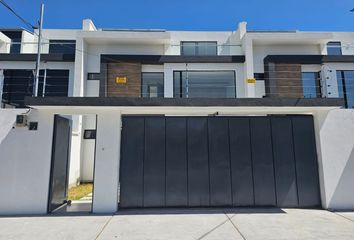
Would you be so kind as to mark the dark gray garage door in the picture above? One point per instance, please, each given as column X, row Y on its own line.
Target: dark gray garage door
column 218, row 162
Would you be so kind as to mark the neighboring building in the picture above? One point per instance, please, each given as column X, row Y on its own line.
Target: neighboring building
column 238, row 118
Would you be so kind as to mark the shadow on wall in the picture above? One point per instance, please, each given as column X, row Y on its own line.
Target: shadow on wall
column 163, row 211
column 343, row 196
column 337, row 158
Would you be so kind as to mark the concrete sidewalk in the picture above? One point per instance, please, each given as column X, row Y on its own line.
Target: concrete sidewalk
column 247, row 224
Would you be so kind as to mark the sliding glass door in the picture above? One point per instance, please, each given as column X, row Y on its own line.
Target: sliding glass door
column 346, row 87
column 204, row 84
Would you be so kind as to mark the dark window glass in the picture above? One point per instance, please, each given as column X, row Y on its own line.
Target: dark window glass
column 17, row 84
column 345, row 81
column 16, row 38
column 152, row 85
column 93, row 76
column 259, row 76
column 311, row 85
column 56, row 83
column 340, row 81
column 188, row 48
column 334, row 48
column 207, row 84
column 62, row 46
column 199, row 48
column 90, row 134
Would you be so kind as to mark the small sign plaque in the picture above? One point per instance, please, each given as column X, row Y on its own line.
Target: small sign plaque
column 251, row 80
column 121, row 80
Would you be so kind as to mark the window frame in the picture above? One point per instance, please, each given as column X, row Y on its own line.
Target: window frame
column 180, row 80
column 142, row 84
column 197, row 47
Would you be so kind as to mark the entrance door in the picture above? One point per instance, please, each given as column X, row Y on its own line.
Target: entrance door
column 60, row 159
column 218, row 162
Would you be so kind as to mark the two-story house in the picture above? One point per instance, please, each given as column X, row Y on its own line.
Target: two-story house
column 161, row 118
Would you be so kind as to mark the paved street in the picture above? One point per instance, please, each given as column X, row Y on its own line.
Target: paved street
column 247, row 224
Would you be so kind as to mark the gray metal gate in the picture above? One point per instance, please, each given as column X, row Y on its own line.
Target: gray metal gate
column 59, row 171
column 218, row 162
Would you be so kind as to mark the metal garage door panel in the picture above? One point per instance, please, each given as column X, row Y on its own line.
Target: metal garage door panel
column 176, row 162
column 241, row 162
column 284, row 162
column 219, row 162
column 154, row 162
column 132, row 157
column 263, row 171
column 306, row 161
column 198, row 167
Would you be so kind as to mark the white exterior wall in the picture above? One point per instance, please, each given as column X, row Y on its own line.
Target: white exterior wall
column 4, row 43
column 29, row 45
column 25, row 167
column 95, row 50
column 335, row 146
column 106, row 175
column 261, row 51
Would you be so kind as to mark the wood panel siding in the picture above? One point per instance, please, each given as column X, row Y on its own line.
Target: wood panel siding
column 283, row 80
column 132, row 73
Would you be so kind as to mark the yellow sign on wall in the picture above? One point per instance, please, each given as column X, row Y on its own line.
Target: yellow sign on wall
column 251, row 80
column 121, row 80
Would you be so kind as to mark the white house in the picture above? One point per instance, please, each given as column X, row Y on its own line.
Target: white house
column 160, row 118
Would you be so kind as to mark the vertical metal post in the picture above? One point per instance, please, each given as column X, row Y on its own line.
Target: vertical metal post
column 1, row 85
column 39, row 51
column 44, row 82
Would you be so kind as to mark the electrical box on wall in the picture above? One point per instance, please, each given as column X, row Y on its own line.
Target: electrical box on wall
column 329, row 85
column 21, row 120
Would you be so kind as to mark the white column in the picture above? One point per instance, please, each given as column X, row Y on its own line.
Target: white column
column 168, row 81
column 106, row 173
column 249, row 68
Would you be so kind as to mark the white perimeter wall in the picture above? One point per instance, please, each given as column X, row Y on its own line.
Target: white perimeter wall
column 25, row 158
column 335, row 143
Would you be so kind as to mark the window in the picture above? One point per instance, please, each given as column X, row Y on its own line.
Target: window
column 311, row 84
column 199, row 48
column 152, row 85
column 90, row 134
column 259, row 76
column 16, row 38
column 56, row 83
column 62, row 46
column 345, row 80
column 204, row 84
column 18, row 84
column 334, row 48
column 93, row 76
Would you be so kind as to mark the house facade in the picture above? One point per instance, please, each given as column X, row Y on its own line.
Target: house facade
column 162, row 118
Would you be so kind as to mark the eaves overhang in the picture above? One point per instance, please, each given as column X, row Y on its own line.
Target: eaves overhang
column 161, row 59
column 309, row 59
column 181, row 102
